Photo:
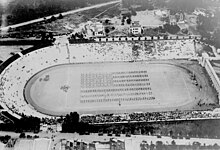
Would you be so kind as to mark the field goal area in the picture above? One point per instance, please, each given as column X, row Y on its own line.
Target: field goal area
column 110, row 87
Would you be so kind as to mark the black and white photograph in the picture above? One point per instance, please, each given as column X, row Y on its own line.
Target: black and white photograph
column 109, row 74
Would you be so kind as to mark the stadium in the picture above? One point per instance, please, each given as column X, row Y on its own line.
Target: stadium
column 103, row 77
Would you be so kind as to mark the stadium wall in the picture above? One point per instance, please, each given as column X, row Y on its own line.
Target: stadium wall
column 6, row 64
column 3, row 66
column 145, row 38
column 212, row 74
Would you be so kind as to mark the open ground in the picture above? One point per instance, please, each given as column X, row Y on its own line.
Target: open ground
column 116, row 88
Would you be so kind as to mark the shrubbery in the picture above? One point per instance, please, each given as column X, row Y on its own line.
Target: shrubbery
column 172, row 29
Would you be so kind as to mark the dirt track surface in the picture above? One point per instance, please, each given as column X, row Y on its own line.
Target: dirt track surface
column 118, row 87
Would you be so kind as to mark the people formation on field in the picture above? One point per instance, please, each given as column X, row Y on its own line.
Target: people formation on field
column 17, row 74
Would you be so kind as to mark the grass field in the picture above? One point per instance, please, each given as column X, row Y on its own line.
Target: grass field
column 113, row 87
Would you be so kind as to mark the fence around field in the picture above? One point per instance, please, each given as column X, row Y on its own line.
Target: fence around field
column 145, row 38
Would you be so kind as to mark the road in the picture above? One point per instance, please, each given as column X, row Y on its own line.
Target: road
column 131, row 143
column 56, row 15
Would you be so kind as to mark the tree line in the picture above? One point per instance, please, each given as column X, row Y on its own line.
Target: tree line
column 25, row 10
column 71, row 123
column 25, row 124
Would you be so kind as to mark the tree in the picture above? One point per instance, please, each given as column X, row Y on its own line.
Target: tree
column 107, row 21
column 173, row 142
column 60, row 16
column 22, row 135
column 71, row 122
column 24, row 10
column 128, row 21
column 83, row 127
column 53, row 18
column 171, row 133
column 75, row 117
column 122, row 20
column 107, row 30
column 77, row 35
column 7, row 138
column 28, row 123
column 172, row 29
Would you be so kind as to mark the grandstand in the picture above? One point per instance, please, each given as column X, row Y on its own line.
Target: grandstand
column 31, row 63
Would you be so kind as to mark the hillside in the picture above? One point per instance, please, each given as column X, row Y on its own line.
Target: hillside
column 24, row 10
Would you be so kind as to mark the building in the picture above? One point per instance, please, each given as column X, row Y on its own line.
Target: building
column 135, row 28
column 75, row 145
column 94, row 29
column 117, row 144
column 162, row 13
column 102, row 145
column 199, row 11
column 88, row 32
column 59, row 127
column 181, row 17
column 173, row 20
column 43, row 127
column 176, row 18
column 183, row 26
column 112, row 144
column 98, row 29
column 192, row 19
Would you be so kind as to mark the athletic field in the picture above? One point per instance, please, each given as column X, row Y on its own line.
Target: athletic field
column 111, row 88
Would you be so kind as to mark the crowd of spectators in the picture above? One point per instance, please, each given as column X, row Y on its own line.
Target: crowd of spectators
column 170, row 49
column 149, row 117
column 138, row 50
column 130, row 51
column 176, row 49
column 17, row 74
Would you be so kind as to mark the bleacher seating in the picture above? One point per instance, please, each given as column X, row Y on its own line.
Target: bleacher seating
column 17, row 70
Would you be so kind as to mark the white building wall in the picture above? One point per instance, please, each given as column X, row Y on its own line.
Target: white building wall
column 212, row 74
